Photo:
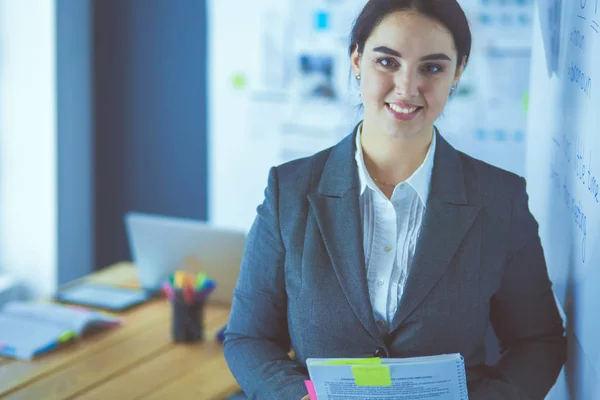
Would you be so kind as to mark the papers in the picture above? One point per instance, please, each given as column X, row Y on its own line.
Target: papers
column 22, row 338
column 440, row 377
column 29, row 329
column 72, row 318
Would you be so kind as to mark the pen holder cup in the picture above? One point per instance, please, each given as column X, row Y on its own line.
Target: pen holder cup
column 187, row 324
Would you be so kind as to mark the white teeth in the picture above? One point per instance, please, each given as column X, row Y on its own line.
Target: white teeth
column 403, row 110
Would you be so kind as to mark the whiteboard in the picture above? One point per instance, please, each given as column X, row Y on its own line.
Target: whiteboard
column 563, row 175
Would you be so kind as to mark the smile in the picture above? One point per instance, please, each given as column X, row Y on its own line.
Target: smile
column 403, row 113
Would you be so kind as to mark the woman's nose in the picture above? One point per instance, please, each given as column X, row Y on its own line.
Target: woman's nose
column 407, row 83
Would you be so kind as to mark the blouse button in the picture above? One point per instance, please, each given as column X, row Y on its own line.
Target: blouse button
column 379, row 352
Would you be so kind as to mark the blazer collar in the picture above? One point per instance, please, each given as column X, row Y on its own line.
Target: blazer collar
column 447, row 178
column 340, row 173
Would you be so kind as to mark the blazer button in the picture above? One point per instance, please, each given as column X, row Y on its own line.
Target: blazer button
column 379, row 352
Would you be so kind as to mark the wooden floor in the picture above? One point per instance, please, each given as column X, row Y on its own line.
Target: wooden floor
column 135, row 361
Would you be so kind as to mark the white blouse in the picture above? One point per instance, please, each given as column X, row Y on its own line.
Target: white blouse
column 391, row 228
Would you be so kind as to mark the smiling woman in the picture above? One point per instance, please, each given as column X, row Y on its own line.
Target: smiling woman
column 408, row 57
column 392, row 243
column 405, row 78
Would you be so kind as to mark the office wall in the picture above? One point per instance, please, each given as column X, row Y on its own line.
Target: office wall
column 150, row 119
column 28, row 177
column 75, row 239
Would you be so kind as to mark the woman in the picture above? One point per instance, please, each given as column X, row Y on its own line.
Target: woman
column 392, row 243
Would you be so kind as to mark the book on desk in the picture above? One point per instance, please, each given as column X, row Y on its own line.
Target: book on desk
column 30, row 329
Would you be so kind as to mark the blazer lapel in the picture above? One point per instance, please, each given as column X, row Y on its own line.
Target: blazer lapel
column 447, row 220
column 335, row 205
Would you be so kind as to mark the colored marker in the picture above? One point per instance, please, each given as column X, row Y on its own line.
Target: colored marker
column 167, row 291
column 188, row 291
column 179, row 279
column 207, row 290
column 200, row 279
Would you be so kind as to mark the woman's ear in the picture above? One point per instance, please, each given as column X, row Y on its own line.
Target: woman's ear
column 355, row 60
column 460, row 70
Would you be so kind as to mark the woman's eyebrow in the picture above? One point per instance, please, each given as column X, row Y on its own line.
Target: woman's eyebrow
column 430, row 57
column 436, row 57
column 387, row 50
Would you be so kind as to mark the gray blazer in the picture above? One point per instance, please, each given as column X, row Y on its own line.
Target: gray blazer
column 302, row 282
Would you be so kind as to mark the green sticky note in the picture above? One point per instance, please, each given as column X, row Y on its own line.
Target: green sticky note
column 372, row 375
column 526, row 102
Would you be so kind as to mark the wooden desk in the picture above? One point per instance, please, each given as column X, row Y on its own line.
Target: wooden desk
column 135, row 361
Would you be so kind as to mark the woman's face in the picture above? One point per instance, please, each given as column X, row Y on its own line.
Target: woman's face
column 407, row 68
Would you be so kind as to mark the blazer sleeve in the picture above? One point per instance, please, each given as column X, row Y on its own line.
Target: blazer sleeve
column 257, row 340
column 525, row 317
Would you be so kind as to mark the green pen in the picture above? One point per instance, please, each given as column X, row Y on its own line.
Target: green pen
column 200, row 278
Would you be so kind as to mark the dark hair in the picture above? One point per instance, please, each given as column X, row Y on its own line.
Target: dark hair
column 447, row 12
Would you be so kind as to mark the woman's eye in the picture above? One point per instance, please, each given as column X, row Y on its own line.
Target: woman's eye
column 432, row 68
column 388, row 62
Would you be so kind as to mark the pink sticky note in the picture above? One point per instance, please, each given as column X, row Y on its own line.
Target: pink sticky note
column 311, row 389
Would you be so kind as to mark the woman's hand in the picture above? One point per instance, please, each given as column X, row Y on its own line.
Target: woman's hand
column 307, row 397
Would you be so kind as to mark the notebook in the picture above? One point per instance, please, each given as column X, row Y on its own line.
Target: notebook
column 30, row 329
column 95, row 295
column 441, row 376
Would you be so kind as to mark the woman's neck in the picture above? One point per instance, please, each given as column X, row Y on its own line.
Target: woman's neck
column 393, row 159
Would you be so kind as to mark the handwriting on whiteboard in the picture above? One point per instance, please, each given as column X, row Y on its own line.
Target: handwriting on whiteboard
column 571, row 172
column 589, row 11
column 578, row 215
column 584, row 172
column 580, row 79
column 579, row 161
column 577, row 39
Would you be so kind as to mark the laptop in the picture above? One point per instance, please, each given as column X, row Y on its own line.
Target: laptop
column 162, row 244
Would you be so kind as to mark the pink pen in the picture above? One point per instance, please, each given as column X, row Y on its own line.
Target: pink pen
column 167, row 291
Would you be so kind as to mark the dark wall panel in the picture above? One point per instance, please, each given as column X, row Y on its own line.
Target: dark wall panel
column 150, row 114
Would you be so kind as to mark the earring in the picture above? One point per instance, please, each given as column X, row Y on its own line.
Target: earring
column 357, row 77
column 452, row 89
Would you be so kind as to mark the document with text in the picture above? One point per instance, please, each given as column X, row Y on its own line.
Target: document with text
column 440, row 377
